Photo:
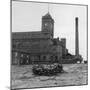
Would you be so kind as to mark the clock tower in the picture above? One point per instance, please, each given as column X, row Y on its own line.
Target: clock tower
column 48, row 24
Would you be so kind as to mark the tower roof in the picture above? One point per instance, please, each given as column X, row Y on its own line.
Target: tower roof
column 47, row 16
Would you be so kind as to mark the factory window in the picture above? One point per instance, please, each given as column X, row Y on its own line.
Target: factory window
column 39, row 57
column 51, row 57
column 21, row 55
column 56, row 57
column 16, row 54
column 54, row 42
column 44, row 57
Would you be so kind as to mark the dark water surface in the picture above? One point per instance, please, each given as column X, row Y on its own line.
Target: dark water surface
column 75, row 74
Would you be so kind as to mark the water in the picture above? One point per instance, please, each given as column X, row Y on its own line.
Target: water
column 75, row 74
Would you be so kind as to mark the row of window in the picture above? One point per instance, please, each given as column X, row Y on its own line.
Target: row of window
column 23, row 56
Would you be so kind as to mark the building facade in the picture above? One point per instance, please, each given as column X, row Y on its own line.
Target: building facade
column 39, row 46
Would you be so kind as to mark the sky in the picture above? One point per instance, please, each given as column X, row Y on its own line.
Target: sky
column 27, row 16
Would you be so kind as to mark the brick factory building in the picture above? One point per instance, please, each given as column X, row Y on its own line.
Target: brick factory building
column 39, row 46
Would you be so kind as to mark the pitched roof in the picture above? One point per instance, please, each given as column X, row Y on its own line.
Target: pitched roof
column 47, row 16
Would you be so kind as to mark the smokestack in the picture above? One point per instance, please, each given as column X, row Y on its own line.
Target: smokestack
column 76, row 38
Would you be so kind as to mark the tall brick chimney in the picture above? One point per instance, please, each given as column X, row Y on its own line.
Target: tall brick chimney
column 76, row 37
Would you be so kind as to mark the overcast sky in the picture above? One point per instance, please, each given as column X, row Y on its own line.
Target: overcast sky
column 26, row 16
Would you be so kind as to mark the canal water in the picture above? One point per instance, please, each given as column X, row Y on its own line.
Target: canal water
column 22, row 77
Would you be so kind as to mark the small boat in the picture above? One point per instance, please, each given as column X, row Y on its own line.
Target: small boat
column 47, row 70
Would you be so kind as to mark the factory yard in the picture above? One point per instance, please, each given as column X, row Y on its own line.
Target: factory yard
column 22, row 77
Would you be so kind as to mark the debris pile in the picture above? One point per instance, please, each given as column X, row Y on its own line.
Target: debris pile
column 47, row 70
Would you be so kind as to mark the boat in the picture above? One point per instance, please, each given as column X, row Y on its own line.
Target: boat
column 47, row 69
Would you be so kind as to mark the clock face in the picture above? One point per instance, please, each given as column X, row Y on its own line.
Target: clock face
column 46, row 24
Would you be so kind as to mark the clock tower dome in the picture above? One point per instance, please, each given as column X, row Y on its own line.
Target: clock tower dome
column 47, row 24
